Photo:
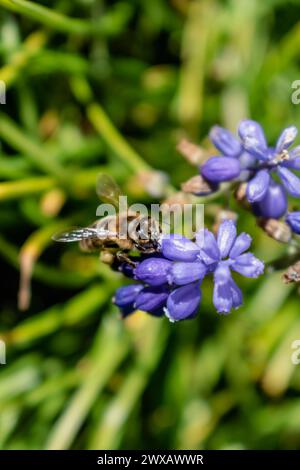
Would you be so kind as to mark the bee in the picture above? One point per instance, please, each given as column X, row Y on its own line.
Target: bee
column 115, row 235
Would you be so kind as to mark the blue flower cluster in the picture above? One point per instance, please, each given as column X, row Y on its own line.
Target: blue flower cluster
column 249, row 159
column 169, row 283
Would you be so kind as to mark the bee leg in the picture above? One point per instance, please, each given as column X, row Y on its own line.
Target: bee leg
column 123, row 257
column 147, row 249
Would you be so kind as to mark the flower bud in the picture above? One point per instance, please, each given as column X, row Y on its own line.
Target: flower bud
column 198, row 185
column 274, row 203
column 127, row 294
column 276, row 229
column 292, row 274
column 225, row 141
column 179, row 249
column 125, row 298
column 153, row 271
column 151, row 299
column 218, row 169
column 183, row 302
column 193, row 153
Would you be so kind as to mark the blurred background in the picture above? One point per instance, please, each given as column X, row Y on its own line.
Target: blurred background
column 112, row 86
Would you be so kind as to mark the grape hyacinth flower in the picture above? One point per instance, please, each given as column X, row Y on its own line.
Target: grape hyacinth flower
column 270, row 197
column 210, row 255
column 258, row 163
column 139, row 297
column 273, row 204
column 153, row 293
column 219, row 169
column 234, row 161
column 171, row 283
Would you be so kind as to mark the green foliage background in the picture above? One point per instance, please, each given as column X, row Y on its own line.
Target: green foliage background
column 96, row 85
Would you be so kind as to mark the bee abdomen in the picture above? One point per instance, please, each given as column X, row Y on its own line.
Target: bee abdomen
column 90, row 244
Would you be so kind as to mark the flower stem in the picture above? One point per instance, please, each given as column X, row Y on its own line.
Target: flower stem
column 111, row 424
column 109, row 350
column 48, row 17
column 114, row 139
column 34, row 152
column 81, row 181
column 19, row 59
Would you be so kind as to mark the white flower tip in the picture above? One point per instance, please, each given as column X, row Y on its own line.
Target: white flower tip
column 167, row 314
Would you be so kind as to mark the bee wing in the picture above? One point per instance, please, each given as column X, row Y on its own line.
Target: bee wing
column 108, row 190
column 76, row 235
